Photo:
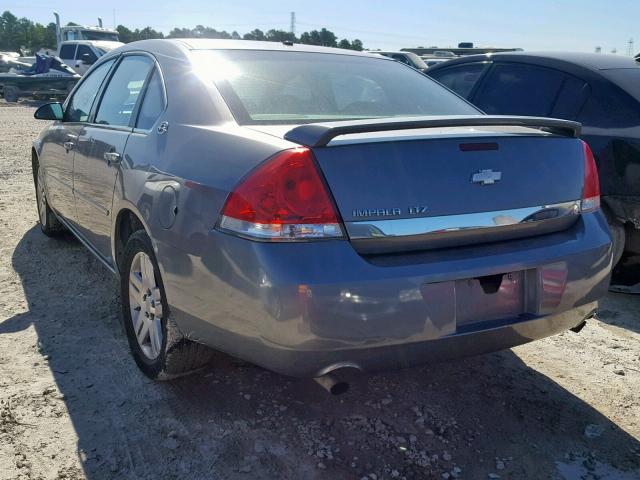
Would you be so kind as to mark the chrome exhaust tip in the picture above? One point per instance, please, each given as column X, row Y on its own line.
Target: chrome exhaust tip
column 332, row 384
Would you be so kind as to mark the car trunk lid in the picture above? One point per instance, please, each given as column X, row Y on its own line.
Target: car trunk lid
column 412, row 184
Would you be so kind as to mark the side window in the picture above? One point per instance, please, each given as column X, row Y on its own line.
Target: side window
column 120, row 96
column 67, row 52
column 82, row 49
column 517, row 89
column 79, row 106
column 153, row 102
column 462, row 78
column 572, row 96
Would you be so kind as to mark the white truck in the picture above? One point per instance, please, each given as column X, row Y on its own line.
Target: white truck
column 79, row 47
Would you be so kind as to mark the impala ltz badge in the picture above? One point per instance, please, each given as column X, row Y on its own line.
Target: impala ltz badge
column 486, row 177
column 389, row 212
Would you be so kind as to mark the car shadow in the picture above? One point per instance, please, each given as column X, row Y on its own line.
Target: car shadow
column 623, row 309
column 232, row 420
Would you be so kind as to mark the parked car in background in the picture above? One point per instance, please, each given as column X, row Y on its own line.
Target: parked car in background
column 310, row 209
column 408, row 58
column 444, row 54
column 81, row 54
column 600, row 91
column 431, row 61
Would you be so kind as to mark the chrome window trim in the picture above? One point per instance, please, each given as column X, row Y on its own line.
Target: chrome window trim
column 442, row 225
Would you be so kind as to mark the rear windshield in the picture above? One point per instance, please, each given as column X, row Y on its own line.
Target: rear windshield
column 626, row 78
column 271, row 87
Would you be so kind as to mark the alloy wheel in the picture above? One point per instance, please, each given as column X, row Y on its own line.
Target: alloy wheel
column 145, row 305
column 42, row 198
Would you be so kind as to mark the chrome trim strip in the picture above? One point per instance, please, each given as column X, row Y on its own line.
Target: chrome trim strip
column 408, row 227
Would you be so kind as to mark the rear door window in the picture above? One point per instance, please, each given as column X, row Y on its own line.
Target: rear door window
column 571, row 98
column 517, row 89
column 462, row 78
column 153, row 103
column 121, row 95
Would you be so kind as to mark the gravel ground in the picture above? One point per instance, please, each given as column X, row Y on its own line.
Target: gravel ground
column 73, row 405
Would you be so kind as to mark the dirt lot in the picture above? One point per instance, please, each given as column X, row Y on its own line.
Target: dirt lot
column 74, row 406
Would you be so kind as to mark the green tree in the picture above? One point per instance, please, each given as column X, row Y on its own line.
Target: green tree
column 344, row 43
column 256, row 34
column 357, row 45
column 125, row 35
column 328, row 38
column 181, row 33
column 10, row 36
column 148, row 33
column 280, row 36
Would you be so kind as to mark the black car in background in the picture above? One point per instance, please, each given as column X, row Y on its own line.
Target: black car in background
column 600, row 91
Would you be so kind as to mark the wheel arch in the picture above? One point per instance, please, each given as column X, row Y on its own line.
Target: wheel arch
column 127, row 221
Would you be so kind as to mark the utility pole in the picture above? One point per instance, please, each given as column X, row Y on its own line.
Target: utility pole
column 630, row 49
column 292, row 26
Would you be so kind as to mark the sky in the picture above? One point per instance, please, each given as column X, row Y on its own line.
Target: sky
column 570, row 25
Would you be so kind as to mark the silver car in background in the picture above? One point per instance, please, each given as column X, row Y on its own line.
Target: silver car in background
column 311, row 209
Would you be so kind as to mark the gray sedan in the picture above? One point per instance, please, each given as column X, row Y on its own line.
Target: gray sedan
column 311, row 209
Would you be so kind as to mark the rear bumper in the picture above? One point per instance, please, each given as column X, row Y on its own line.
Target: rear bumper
column 302, row 309
column 313, row 363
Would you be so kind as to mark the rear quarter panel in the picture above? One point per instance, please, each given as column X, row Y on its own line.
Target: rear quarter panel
column 177, row 182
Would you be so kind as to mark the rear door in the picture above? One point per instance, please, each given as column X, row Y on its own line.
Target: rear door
column 58, row 154
column 98, row 163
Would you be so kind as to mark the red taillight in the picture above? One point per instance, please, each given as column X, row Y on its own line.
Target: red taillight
column 591, row 192
column 283, row 199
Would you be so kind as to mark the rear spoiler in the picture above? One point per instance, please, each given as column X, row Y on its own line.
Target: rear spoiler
column 320, row 134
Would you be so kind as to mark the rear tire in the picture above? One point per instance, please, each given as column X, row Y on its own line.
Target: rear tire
column 159, row 349
column 49, row 223
column 11, row 94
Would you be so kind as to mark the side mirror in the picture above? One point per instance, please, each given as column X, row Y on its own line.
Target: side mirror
column 49, row 111
column 86, row 59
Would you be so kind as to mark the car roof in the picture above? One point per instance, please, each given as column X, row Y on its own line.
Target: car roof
column 180, row 47
column 592, row 61
column 218, row 44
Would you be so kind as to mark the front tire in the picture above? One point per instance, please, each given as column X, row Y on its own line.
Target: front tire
column 160, row 350
column 49, row 223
